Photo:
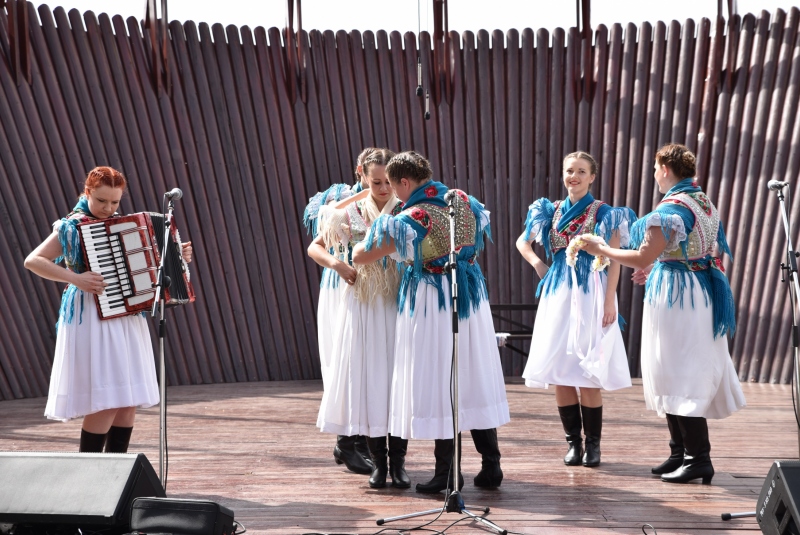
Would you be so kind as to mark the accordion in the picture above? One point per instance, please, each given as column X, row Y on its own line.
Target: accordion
column 126, row 251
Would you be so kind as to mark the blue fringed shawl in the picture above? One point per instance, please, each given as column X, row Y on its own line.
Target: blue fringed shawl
column 335, row 193
column 537, row 228
column 72, row 255
column 676, row 223
column 408, row 236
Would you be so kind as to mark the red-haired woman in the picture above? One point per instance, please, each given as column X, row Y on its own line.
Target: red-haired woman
column 102, row 370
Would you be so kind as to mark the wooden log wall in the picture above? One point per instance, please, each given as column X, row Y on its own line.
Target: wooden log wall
column 248, row 154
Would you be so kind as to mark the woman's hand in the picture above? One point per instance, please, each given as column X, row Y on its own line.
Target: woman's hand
column 609, row 312
column 186, row 251
column 347, row 273
column 640, row 275
column 90, row 282
column 593, row 248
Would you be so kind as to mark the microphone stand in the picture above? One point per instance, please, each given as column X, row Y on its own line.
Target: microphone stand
column 162, row 283
column 789, row 267
column 453, row 503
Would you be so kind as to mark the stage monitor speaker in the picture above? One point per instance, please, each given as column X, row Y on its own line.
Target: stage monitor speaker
column 777, row 511
column 90, row 491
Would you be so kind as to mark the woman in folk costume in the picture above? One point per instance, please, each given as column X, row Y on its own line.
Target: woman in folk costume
column 687, row 371
column 103, row 369
column 420, row 399
column 350, row 450
column 356, row 399
column 576, row 344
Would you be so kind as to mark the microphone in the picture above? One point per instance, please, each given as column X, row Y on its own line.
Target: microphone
column 451, row 193
column 775, row 185
column 174, row 195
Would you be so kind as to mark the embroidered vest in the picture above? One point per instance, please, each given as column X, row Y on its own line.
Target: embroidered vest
column 583, row 224
column 703, row 237
column 436, row 220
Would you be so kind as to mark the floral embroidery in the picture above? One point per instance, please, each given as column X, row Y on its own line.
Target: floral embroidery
column 430, row 191
column 462, row 195
column 397, row 208
column 421, row 217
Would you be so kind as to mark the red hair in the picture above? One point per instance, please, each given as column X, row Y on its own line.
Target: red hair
column 104, row 176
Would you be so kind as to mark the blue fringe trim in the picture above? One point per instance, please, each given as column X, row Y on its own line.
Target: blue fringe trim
column 558, row 273
column 621, row 322
column 66, row 312
column 540, row 218
column 70, row 239
column 329, row 279
column 667, row 213
column 713, row 283
column 387, row 227
column 471, row 287
column 334, row 193
column 722, row 242
column 612, row 220
column 483, row 228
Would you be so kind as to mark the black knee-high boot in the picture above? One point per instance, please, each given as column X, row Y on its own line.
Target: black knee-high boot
column 118, row 439
column 696, row 452
column 363, row 449
column 443, row 451
column 397, row 462
column 571, row 421
column 377, row 449
column 92, row 442
column 675, row 459
column 485, row 441
column 592, row 428
column 345, row 452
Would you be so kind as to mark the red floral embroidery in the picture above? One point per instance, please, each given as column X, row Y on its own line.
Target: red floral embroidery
column 421, row 216
column 462, row 195
column 430, row 191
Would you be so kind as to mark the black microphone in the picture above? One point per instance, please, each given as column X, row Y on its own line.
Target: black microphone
column 174, row 195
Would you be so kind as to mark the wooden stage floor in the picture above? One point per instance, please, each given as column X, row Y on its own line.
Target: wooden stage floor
column 254, row 448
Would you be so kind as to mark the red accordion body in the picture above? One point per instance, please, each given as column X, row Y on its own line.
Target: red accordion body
column 126, row 251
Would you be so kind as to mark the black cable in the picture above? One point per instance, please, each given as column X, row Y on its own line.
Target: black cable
column 651, row 527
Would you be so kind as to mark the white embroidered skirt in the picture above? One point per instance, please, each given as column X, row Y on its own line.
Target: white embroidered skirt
column 420, row 400
column 685, row 370
column 356, row 397
column 585, row 361
column 101, row 365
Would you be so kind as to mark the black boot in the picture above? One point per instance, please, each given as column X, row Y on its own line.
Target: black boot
column 363, row 449
column 118, row 439
column 345, row 452
column 397, row 462
column 443, row 451
column 592, row 427
column 377, row 448
column 571, row 421
column 696, row 452
column 92, row 442
column 490, row 475
column 675, row 459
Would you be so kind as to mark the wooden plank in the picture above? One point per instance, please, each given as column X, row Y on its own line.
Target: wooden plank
column 618, row 497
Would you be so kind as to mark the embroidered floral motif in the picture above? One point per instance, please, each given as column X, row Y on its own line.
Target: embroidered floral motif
column 462, row 195
column 583, row 224
column 430, row 191
column 421, row 216
column 397, row 209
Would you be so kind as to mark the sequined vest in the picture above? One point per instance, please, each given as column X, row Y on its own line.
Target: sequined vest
column 583, row 224
column 703, row 237
column 358, row 224
column 436, row 220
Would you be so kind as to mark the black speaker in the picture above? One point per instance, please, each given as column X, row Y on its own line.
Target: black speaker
column 90, row 491
column 777, row 512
